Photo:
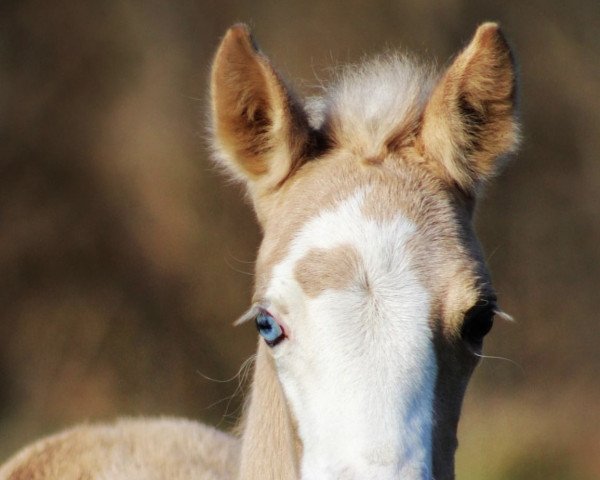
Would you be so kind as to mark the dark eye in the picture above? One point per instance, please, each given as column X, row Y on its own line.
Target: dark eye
column 478, row 322
column 268, row 328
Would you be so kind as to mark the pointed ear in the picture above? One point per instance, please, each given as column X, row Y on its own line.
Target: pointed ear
column 469, row 123
column 260, row 131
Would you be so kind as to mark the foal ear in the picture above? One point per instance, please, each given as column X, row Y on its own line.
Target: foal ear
column 260, row 131
column 469, row 123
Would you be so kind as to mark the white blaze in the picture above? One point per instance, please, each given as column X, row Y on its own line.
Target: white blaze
column 359, row 369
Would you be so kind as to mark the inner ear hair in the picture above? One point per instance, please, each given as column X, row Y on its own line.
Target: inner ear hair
column 469, row 124
column 260, row 131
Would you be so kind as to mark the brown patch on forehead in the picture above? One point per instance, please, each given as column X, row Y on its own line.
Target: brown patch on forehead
column 328, row 269
column 318, row 187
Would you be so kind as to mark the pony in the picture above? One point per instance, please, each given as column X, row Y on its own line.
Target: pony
column 372, row 298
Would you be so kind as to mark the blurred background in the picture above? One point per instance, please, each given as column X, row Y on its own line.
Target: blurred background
column 125, row 255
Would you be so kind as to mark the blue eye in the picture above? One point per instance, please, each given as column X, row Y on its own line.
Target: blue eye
column 268, row 328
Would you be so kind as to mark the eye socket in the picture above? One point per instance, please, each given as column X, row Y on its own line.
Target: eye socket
column 478, row 322
column 268, row 328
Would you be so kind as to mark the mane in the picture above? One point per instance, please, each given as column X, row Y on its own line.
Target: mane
column 373, row 103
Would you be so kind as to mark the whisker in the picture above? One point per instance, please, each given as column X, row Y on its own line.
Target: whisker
column 248, row 262
column 237, row 270
column 243, row 373
column 195, row 99
column 492, row 357
column 493, row 253
column 214, row 404
column 237, row 374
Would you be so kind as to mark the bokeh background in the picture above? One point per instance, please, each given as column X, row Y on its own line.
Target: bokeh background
column 124, row 254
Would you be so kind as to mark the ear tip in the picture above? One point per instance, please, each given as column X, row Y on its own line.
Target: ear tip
column 490, row 33
column 488, row 30
column 239, row 30
column 489, row 26
column 240, row 33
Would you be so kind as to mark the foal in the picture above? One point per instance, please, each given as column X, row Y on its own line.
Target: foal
column 372, row 298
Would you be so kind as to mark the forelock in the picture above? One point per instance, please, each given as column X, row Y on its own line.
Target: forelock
column 367, row 106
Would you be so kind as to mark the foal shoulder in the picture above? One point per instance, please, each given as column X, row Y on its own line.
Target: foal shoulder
column 132, row 449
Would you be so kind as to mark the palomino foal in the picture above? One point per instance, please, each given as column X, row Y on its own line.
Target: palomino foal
column 372, row 298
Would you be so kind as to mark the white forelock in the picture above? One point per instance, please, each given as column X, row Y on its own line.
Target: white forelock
column 373, row 100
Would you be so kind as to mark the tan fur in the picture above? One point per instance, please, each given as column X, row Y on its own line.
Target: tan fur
column 303, row 199
column 366, row 117
column 449, row 261
column 130, row 449
column 322, row 269
column 469, row 121
column 442, row 149
column 260, row 130
column 269, row 445
column 416, row 148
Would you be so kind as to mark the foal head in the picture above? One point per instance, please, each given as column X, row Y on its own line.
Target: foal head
column 371, row 293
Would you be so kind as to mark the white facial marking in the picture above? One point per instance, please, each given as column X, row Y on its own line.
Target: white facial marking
column 359, row 368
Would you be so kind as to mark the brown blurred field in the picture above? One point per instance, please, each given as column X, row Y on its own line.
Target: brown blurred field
column 124, row 254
